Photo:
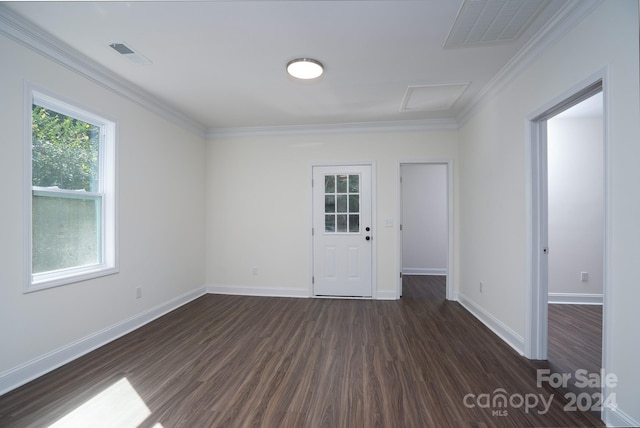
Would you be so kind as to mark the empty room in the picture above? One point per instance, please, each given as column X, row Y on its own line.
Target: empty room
column 223, row 213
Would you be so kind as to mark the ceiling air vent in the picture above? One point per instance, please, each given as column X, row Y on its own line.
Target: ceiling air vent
column 482, row 22
column 129, row 53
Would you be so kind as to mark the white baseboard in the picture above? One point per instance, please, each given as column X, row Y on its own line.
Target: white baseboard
column 257, row 291
column 236, row 290
column 503, row 331
column 39, row 366
column 424, row 271
column 618, row 418
column 575, row 299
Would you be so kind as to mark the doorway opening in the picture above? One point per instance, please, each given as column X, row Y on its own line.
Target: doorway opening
column 565, row 319
column 425, row 229
column 575, row 211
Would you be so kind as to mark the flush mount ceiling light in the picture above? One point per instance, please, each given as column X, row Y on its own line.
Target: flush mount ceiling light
column 305, row 68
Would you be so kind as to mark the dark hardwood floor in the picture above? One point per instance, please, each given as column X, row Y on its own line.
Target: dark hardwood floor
column 575, row 342
column 227, row 361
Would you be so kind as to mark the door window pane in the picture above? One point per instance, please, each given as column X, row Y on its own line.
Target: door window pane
column 329, row 204
column 341, row 223
column 341, row 181
column 342, row 203
column 329, row 223
column 354, row 183
column 354, row 203
column 354, row 223
column 329, row 183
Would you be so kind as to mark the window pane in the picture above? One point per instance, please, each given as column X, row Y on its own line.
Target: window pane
column 341, row 225
column 329, row 223
column 72, row 161
column 354, row 184
column 65, row 151
column 354, row 223
column 329, row 204
column 341, row 184
column 329, row 184
column 342, row 203
column 65, row 232
column 354, row 203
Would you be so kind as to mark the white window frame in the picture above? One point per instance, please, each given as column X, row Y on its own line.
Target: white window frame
column 108, row 236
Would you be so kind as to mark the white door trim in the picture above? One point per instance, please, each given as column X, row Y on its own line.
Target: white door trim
column 451, row 294
column 536, row 330
column 374, row 245
column 537, row 287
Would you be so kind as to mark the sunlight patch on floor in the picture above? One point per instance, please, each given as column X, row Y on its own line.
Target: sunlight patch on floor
column 117, row 406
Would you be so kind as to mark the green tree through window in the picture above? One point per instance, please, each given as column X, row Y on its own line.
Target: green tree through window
column 65, row 151
column 72, row 186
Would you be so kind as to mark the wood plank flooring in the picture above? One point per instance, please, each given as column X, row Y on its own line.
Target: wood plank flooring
column 233, row 361
column 575, row 341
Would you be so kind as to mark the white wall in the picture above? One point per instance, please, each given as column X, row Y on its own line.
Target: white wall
column 424, row 219
column 493, row 184
column 259, row 209
column 258, row 201
column 576, row 205
column 161, row 177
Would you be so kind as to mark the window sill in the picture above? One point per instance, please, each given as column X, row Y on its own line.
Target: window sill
column 68, row 276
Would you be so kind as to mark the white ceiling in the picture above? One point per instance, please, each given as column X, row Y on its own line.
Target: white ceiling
column 222, row 63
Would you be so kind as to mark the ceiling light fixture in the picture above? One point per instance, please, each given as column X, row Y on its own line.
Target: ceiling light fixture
column 305, row 68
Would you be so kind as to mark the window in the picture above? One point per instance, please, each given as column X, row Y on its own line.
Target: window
column 71, row 185
column 342, row 203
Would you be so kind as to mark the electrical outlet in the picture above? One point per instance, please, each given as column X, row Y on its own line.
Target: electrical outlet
column 481, row 286
column 139, row 293
column 584, row 276
column 254, row 271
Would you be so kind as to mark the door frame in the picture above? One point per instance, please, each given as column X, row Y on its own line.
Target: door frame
column 536, row 308
column 374, row 225
column 450, row 289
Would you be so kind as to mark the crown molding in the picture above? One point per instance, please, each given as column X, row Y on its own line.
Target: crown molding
column 337, row 128
column 570, row 15
column 25, row 33
column 32, row 37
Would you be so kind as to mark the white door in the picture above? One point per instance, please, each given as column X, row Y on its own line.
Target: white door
column 342, row 231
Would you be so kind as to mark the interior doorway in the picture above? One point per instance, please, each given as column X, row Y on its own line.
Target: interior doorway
column 425, row 229
column 568, row 236
column 575, row 174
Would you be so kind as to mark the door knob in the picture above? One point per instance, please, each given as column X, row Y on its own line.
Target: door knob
column 368, row 238
column 367, row 228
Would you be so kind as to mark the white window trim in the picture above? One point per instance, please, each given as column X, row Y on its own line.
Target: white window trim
column 107, row 193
